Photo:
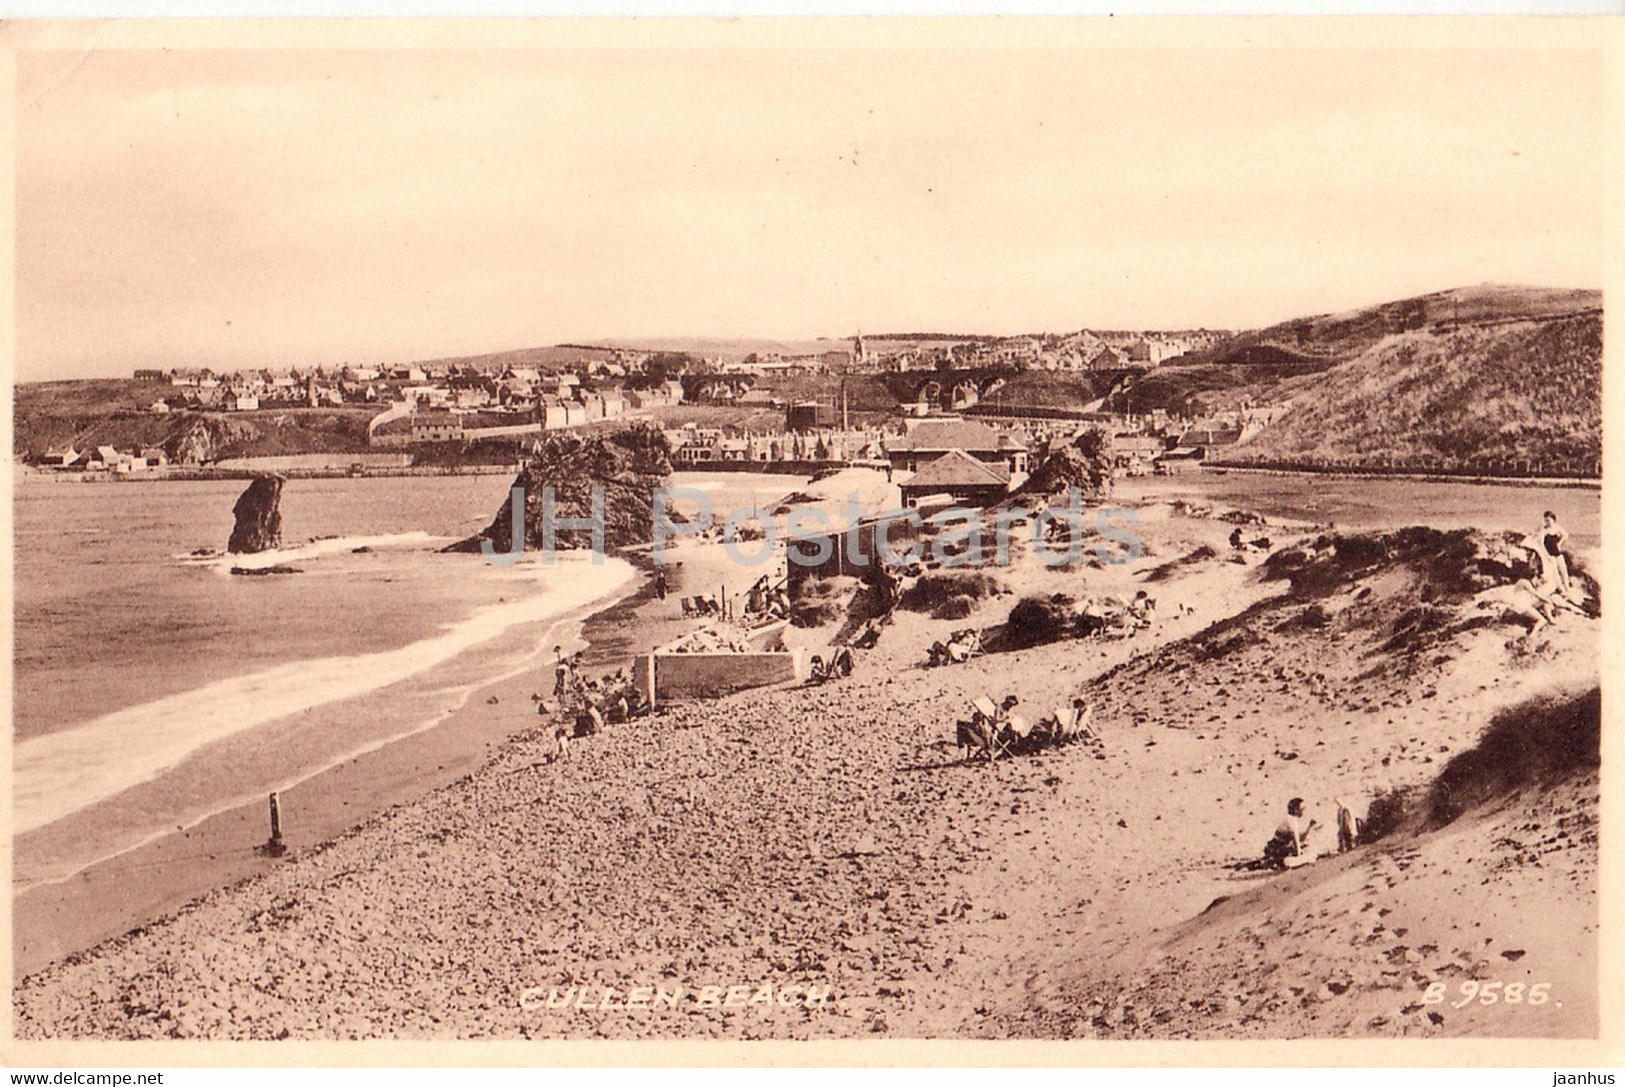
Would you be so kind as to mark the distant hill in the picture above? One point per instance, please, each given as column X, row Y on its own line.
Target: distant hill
column 546, row 359
column 1512, row 391
column 1491, row 375
column 1341, row 336
column 716, row 347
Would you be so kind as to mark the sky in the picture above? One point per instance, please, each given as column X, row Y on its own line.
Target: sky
column 288, row 208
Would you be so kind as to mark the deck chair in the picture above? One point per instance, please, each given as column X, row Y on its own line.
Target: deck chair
column 1018, row 734
column 1081, row 727
column 1005, row 742
column 979, row 735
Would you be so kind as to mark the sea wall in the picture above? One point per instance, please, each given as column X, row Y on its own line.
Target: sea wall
column 681, row 677
column 339, row 462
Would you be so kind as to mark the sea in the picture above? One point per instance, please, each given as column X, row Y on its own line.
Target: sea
column 154, row 688
column 1354, row 503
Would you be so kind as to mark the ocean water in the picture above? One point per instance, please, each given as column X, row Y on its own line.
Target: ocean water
column 154, row 688
column 1360, row 504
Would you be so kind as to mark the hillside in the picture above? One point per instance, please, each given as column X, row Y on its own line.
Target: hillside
column 1513, row 393
column 1330, row 338
column 85, row 414
column 1489, row 378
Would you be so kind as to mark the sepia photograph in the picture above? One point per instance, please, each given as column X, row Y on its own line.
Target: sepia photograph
column 793, row 530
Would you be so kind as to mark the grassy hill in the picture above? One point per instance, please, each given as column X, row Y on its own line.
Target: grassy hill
column 1518, row 391
column 1488, row 378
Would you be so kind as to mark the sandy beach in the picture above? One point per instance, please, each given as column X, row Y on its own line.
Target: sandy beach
column 820, row 862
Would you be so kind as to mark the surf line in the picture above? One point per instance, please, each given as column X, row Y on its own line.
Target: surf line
column 64, row 772
column 256, row 797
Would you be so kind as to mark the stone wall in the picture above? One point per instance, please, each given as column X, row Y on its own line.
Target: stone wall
column 680, row 677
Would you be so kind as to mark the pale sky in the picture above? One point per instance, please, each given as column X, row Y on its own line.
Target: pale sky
column 290, row 208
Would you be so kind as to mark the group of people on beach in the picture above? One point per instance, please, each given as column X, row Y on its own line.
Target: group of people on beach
column 838, row 666
column 1002, row 729
column 957, row 648
column 583, row 705
column 1551, row 582
column 1104, row 616
column 1242, row 546
column 764, row 600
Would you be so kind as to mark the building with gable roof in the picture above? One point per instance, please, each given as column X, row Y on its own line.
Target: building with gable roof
column 961, row 476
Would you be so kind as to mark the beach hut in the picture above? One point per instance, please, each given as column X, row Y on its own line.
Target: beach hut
column 961, row 477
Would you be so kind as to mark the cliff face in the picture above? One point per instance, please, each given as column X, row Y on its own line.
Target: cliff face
column 203, row 440
column 628, row 464
column 259, row 518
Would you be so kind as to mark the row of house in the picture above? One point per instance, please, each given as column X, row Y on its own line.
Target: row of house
column 693, row 445
column 447, row 387
column 103, row 458
column 441, row 415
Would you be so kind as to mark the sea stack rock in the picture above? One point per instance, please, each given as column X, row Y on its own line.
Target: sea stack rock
column 259, row 520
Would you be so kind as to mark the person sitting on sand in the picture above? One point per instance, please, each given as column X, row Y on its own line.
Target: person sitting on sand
column 590, row 719
column 1289, row 836
column 1543, row 585
column 1236, row 543
column 1521, row 600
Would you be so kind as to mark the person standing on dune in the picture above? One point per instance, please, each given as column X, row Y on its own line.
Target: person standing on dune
column 1554, row 540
